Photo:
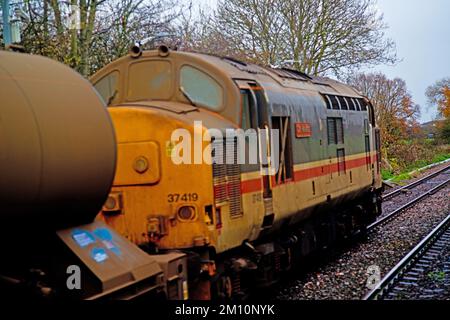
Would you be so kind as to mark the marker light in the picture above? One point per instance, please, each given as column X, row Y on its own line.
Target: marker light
column 140, row 164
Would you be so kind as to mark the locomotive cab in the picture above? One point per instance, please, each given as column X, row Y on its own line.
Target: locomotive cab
column 150, row 97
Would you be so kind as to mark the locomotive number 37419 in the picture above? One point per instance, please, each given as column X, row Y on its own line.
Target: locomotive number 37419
column 187, row 197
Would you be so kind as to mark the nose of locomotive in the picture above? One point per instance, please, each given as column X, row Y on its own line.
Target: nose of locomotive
column 156, row 198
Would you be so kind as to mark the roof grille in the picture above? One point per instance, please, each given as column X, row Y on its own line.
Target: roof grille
column 242, row 63
column 291, row 74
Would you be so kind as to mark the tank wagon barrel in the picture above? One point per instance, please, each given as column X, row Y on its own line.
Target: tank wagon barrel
column 57, row 164
column 57, row 144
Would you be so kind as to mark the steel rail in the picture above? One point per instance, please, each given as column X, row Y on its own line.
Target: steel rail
column 415, row 183
column 395, row 273
column 406, row 206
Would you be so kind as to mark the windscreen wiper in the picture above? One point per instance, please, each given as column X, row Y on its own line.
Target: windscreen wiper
column 186, row 95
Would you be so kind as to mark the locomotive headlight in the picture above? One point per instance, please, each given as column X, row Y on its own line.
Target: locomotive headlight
column 186, row 213
column 140, row 164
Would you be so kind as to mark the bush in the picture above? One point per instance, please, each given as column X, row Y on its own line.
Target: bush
column 444, row 132
column 409, row 155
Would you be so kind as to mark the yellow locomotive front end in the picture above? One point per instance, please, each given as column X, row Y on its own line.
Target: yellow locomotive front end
column 153, row 196
column 165, row 194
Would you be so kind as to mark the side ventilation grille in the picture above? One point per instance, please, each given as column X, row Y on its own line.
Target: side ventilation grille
column 227, row 175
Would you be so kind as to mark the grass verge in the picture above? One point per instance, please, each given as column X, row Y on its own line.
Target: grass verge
column 405, row 174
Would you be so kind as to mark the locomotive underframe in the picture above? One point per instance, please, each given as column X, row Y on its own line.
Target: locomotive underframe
column 234, row 274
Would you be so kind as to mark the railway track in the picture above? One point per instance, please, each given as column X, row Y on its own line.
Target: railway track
column 423, row 273
column 420, row 181
column 408, row 219
column 412, row 194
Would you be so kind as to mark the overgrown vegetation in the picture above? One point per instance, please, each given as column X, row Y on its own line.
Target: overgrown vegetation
column 413, row 155
column 406, row 146
column 402, row 156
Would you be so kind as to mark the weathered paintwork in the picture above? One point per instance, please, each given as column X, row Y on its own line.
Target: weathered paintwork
column 143, row 114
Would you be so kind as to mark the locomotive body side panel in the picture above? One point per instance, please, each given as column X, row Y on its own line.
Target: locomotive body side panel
column 315, row 169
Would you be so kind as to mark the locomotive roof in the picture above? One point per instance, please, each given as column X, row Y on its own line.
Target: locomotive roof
column 241, row 70
column 284, row 76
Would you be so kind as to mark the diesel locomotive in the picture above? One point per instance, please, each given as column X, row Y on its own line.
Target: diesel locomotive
column 239, row 224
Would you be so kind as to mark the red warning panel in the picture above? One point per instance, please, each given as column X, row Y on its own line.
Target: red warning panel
column 302, row 130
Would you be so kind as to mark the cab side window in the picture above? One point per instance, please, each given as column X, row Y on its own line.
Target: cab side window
column 247, row 115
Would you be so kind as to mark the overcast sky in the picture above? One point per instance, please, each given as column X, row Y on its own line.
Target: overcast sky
column 421, row 31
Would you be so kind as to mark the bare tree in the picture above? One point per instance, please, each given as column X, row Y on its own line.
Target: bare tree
column 330, row 35
column 106, row 29
column 253, row 27
column 80, row 39
column 127, row 21
column 318, row 36
column 197, row 31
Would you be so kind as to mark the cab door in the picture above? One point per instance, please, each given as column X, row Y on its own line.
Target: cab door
column 253, row 115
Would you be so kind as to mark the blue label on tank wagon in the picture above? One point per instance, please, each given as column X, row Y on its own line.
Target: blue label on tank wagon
column 107, row 239
column 82, row 237
column 103, row 234
column 99, row 254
